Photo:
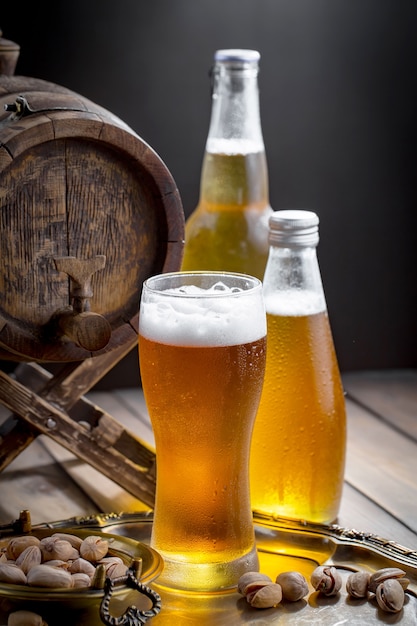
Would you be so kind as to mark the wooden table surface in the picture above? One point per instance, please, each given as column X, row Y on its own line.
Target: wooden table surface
column 380, row 491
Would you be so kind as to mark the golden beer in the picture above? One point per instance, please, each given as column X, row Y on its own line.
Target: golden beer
column 228, row 231
column 202, row 364
column 298, row 445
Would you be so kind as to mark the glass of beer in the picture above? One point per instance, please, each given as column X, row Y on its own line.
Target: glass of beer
column 202, row 349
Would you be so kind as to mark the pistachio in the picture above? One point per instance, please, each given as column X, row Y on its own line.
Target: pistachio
column 80, row 580
column 326, row 580
column 47, row 576
column 294, row 585
column 16, row 545
column 82, row 566
column 265, row 597
column 25, row 618
column 74, row 540
column 11, row 573
column 54, row 548
column 59, row 563
column 383, row 574
column 94, row 548
column 28, row 558
column 114, row 566
column 249, row 579
column 357, row 584
column 390, row 595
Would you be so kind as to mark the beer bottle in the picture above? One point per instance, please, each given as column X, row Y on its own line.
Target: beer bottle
column 298, row 445
column 228, row 230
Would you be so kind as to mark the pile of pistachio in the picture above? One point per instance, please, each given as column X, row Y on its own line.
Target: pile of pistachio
column 386, row 585
column 60, row 560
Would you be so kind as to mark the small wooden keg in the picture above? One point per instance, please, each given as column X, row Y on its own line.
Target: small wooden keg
column 88, row 211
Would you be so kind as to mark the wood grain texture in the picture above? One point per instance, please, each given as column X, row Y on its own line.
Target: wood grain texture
column 76, row 182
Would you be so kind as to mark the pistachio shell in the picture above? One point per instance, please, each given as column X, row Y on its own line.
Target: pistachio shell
column 16, row 545
column 25, row 618
column 357, row 584
column 54, row 548
column 266, row 597
column 74, row 540
column 28, row 558
column 11, row 573
column 383, row 574
column 81, row 580
column 294, row 585
column 47, row 576
column 82, row 566
column 390, row 596
column 94, row 548
column 249, row 579
column 326, row 580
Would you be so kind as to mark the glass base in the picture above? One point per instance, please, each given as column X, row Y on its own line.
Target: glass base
column 206, row 577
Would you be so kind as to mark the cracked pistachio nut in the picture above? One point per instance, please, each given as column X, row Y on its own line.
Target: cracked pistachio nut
column 46, row 576
column 250, row 580
column 326, row 580
column 16, row 545
column 357, row 584
column 390, row 595
column 54, row 548
column 294, row 585
column 383, row 574
column 74, row 540
column 265, row 597
column 94, row 548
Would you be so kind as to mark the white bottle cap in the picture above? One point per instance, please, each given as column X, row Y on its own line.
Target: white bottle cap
column 294, row 228
column 236, row 55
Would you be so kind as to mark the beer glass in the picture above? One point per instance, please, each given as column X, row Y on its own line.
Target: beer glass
column 202, row 348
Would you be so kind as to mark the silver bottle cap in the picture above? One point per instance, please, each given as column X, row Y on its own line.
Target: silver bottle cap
column 294, row 228
column 237, row 56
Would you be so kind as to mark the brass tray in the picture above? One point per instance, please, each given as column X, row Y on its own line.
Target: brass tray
column 283, row 545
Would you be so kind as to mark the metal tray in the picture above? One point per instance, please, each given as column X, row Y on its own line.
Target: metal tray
column 283, row 545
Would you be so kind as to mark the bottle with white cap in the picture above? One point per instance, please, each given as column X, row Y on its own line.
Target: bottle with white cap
column 228, row 230
column 299, row 439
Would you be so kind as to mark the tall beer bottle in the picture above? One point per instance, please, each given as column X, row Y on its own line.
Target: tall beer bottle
column 228, row 230
column 298, row 444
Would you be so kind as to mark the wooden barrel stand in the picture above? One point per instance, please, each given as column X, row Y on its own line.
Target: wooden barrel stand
column 88, row 211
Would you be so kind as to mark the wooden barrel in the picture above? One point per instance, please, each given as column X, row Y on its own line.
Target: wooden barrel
column 88, row 211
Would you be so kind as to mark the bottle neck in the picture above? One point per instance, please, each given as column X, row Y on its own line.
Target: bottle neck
column 235, row 124
column 292, row 283
column 234, row 174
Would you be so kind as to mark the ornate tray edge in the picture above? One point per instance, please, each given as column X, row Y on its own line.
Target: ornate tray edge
column 350, row 536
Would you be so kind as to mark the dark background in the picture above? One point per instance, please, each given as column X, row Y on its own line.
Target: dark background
column 338, row 105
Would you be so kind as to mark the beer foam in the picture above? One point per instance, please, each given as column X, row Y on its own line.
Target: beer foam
column 293, row 303
column 190, row 321
column 234, row 146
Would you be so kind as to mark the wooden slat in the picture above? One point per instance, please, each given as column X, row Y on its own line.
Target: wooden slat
column 382, row 464
column 392, row 394
column 36, row 482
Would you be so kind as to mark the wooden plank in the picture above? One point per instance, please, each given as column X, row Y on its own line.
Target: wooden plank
column 34, row 481
column 392, row 394
column 130, row 408
column 382, row 464
column 104, row 447
column 361, row 513
column 107, row 495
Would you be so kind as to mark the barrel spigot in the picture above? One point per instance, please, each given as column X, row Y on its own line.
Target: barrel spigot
column 77, row 322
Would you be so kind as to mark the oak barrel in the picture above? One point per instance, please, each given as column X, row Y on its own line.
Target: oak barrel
column 88, row 210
